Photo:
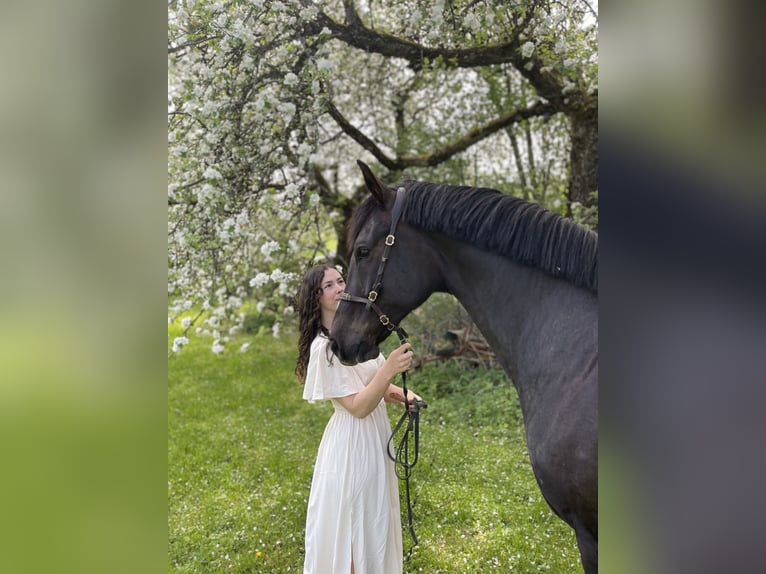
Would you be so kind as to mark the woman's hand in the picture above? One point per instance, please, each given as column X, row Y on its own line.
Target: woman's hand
column 400, row 360
column 411, row 398
column 396, row 395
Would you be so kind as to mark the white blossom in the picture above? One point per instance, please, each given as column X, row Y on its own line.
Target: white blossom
column 527, row 49
column 259, row 280
column 472, row 22
column 279, row 276
column 304, row 150
column 292, row 190
column 309, row 13
column 268, row 248
column 186, row 322
column 569, row 86
column 287, row 108
column 244, row 347
column 217, row 347
column 178, row 343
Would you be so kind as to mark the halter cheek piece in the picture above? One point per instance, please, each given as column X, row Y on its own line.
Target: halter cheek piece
column 403, row 464
column 372, row 295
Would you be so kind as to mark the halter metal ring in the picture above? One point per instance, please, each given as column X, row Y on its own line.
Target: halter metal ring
column 384, row 319
column 372, row 295
column 390, row 240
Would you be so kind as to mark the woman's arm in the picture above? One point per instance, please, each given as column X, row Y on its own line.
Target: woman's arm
column 364, row 402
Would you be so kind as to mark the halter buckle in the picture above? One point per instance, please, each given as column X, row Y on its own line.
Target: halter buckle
column 390, row 240
column 385, row 320
column 372, row 295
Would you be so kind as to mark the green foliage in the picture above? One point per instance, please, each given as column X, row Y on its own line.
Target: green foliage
column 427, row 325
column 587, row 214
column 259, row 324
column 241, row 447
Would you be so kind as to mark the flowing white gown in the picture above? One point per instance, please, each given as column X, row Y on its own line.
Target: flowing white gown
column 353, row 507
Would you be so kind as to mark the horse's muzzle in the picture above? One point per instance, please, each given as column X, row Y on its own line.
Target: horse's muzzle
column 353, row 354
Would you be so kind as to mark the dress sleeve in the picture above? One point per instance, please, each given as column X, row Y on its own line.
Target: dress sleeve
column 326, row 376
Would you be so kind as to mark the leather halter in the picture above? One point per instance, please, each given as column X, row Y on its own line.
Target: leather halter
column 372, row 295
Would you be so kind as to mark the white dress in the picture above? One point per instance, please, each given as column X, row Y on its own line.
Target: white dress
column 353, row 507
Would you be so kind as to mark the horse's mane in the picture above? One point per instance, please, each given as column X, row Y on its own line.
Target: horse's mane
column 514, row 228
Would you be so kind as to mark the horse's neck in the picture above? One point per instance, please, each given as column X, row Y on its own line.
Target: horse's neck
column 528, row 317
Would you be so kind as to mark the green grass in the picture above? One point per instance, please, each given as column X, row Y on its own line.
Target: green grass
column 242, row 444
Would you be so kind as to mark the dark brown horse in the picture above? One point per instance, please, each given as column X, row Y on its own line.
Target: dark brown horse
column 528, row 278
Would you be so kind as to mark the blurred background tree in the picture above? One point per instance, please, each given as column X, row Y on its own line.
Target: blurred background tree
column 271, row 102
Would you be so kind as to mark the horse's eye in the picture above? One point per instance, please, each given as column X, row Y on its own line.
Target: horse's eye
column 362, row 252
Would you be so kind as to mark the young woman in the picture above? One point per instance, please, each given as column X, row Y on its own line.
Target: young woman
column 353, row 522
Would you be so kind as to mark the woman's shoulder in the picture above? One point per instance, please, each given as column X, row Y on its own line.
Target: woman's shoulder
column 320, row 342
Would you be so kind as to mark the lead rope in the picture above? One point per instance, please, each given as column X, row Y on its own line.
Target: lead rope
column 402, row 464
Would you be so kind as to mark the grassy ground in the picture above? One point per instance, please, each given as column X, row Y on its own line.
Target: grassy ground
column 242, row 443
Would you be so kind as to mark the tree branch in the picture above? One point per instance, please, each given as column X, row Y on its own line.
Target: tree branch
column 446, row 152
column 173, row 49
column 354, row 33
column 359, row 36
column 592, row 11
column 359, row 137
column 476, row 135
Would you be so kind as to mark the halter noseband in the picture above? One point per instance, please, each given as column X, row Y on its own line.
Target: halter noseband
column 372, row 296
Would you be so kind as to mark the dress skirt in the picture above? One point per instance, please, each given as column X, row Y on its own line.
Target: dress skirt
column 353, row 509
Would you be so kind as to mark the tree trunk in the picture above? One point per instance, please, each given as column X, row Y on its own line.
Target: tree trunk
column 583, row 179
column 341, row 224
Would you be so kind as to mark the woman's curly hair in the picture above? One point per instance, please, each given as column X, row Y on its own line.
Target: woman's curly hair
column 309, row 316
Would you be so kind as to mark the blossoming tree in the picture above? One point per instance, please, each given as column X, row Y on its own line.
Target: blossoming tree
column 270, row 103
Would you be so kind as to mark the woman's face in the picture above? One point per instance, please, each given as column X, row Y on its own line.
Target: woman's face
column 332, row 286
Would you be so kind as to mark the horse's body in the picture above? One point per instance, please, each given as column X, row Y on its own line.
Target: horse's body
column 531, row 290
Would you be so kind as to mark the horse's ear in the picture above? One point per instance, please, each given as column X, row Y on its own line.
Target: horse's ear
column 374, row 185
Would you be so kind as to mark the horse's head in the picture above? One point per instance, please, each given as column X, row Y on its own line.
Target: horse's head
column 379, row 295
